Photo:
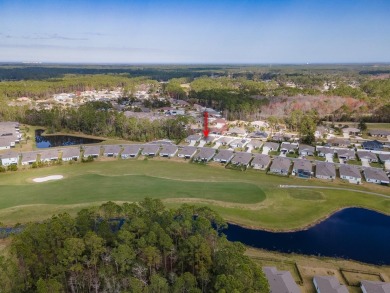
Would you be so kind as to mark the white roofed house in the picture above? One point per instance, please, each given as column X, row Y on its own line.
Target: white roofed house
column 29, row 158
column 224, row 156
column 280, row 165
column 111, row 150
column 9, row 158
column 306, row 150
column 325, row 170
column 150, row 150
column 302, row 168
column 242, row 159
column 261, row 162
column 187, row 152
column 168, row 151
column 350, row 173
column 375, row 175
column 367, row 155
column 70, row 154
column 328, row 284
column 49, row 155
column 205, row 154
column 130, row 151
column 91, row 151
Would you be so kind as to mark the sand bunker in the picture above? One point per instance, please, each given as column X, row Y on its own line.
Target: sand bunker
column 48, row 178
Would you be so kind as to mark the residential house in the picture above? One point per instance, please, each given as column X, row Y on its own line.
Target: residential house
column 339, row 142
column 384, row 157
column 92, row 151
column 70, row 154
column 237, row 131
column 261, row 162
column 325, row 170
column 238, row 143
column 375, row 287
column 323, row 151
column 224, row 140
column 49, row 155
column 375, row 175
column 130, row 151
column 369, row 156
column 280, row 165
column 168, row 151
column 205, row 154
column 29, row 158
column 259, row 124
column 111, row 150
column 372, row 145
column 280, row 281
column 287, row 147
column 241, row 159
column 187, row 152
column 346, row 154
column 306, row 150
column 328, row 284
column 302, row 168
column 259, row 134
column 351, row 131
column 9, row 158
column 383, row 133
column 271, row 146
column 350, row 173
column 150, row 150
column 254, row 144
column 7, row 142
column 278, row 137
column 224, row 156
column 192, row 139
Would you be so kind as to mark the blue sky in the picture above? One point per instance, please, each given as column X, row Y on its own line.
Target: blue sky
column 201, row 31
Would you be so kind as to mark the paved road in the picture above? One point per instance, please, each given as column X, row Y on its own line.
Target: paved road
column 335, row 188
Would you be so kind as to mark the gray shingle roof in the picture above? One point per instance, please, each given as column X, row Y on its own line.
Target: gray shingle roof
column 325, row 169
column 224, row 156
column 29, row 156
column 112, row 149
column 280, row 163
column 241, row 158
column 271, row 145
column 255, row 143
column 280, row 281
column 70, row 152
column 91, row 150
column 131, row 150
column 349, row 170
column 261, row 159
column 187, row 151
column 305, row 147
column 376, row 174
column 205, row 154
column 327, row 284
column 150, row 149
column 288, row 146
column 384, row 157
column 49, row 154
column 304, row 165
column 168, row 150
column 367, row 155
column 375, row 287
column 9, row 155
column 195, row 137
column 345, row 153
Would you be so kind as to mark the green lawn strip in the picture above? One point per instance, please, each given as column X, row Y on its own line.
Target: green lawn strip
column 250, row 198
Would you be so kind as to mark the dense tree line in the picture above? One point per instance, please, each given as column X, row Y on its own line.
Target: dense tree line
column 129, row 248
column 98, row 118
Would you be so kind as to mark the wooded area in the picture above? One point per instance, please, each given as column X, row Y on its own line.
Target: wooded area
column 129, row 248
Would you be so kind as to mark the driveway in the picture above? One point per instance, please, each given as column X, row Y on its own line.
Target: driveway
column 329, row 158
column 249, row 150
column 217, row 145
column 265, row 151
column 365, row 163
column 192, row 143
column 387, row 165
column 202, row 143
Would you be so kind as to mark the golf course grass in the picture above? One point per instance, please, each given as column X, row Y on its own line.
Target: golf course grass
column 249, row 198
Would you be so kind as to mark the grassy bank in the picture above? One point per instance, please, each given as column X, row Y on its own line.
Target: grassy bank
column 249, row 198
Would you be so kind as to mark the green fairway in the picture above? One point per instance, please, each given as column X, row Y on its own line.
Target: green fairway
column 249, row 198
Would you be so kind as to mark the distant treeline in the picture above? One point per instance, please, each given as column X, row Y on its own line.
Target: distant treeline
column 98, row 118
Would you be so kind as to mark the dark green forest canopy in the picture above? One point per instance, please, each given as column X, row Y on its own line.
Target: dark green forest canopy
column 129, row 248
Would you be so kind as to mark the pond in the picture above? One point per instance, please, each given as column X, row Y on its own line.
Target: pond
column 352, row 233
column 60, row 140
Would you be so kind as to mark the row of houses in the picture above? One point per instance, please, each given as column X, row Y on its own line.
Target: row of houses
column 283, row 282
column 301, row 168
column 9, row 135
